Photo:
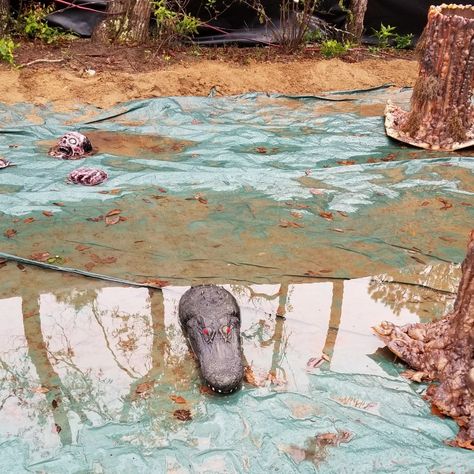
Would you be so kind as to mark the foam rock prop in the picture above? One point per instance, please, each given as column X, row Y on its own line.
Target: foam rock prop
column 443, row 351
column 441, row 115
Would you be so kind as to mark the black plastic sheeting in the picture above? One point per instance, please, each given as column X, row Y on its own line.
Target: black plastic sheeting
column 240, row 23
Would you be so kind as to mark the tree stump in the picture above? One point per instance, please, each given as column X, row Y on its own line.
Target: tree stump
column 355, row 24
column 127, row 21
column 443, row 351
column 442, row 115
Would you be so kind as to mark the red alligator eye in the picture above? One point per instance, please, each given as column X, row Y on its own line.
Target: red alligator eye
column 205, row 331
column 227, row 330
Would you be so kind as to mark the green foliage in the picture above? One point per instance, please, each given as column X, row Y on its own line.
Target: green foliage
column 173, row 24
column 332, row 48
column 384, row 35
column 403, row 41
column 32, row 23
column 387, row 36
column 7, row 47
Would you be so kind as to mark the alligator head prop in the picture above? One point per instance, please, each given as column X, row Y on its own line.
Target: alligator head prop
column 71, row 146
column 210, row 318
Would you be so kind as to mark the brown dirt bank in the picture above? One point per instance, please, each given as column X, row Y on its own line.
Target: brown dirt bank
column 68, row 86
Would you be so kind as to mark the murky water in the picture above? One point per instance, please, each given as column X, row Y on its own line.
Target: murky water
column 100, row 369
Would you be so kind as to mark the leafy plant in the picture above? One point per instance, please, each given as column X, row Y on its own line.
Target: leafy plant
column 7, row 47
column 172, row 21
column 403, row 41
column 332, row 48
column 33, row 24
column 384, row 35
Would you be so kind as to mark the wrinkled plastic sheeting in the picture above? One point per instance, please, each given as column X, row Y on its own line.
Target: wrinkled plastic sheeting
column 101, row 397
column 239, row 182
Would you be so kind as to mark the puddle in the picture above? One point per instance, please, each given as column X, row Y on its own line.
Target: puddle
column 103, row 369
column 128, row 144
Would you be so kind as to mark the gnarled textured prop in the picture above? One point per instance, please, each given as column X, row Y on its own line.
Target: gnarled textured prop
column 210, row 319
column 5, row 163
column 444, row 351
column 71, row 146
column 87, row 176
column 442, row 115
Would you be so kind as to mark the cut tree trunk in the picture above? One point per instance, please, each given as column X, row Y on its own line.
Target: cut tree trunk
column 4, row 16
column 443, row 351
column 127, row 21
column 355, row 25
column 442, row 115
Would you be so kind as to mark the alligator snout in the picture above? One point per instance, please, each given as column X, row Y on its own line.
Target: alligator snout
column 210, row 318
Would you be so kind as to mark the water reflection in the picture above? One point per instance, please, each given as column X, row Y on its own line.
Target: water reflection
column 71, row 359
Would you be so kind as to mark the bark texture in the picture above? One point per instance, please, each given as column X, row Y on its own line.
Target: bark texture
column 4, row 16
column 127, row 21
column 443, row 351
column 355, row 24
column 441, row 115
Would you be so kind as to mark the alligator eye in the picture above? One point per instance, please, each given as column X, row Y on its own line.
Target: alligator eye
column 72, row 140
column 208, row 334
column 226, row 330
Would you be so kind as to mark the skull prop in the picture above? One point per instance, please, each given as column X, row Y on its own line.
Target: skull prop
column 71, row 146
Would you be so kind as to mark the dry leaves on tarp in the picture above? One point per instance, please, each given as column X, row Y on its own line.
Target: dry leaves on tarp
column 178, row 399
column 446, row 204
column 286, row 224
column 9, row 233
column 40, row 256
column 29, row 220
column 182, row 415
column 155, row 282
column 326, row 215
column 47, row 213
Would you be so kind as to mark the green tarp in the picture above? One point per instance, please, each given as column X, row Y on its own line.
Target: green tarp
column 295, row 203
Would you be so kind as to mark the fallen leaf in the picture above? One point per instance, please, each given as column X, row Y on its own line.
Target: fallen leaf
column 372, row 160
column 112, row 220
column 156, row 282
column 123, row 219
column 293, row 224
column 347, row 162
column 311, row 273
column 325, row 270
column 326, row 215
column 162, row 190
column 89, row 266
column 113, row 212
column 446, row 204
column 155, row 196
column 40, row 256
column 182, row 415
column 466, row 204
column 296, row 215
column 59, row 204
column 40, row 389
column 21, row 267
column 177, row 399
column 419, row 260
column 389, row 157
column 96, row 219
column 425, row 203
column 205, row 390
column 447, row 239
column 81, row 247
column 315, row 191
column 296, row 205
column 342, row 213
column 9, row 233
column 261, row 149
column 146, row 200
column 144, row 387
column 249, row 376
column 47, row 213
column 333, row 439
column 29, row 220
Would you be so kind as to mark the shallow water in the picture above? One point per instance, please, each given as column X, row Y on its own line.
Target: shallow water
column 90, row 374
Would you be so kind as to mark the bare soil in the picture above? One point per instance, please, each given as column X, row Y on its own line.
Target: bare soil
column 82, row 72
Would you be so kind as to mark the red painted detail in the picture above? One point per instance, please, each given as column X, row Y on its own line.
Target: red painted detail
column 205, row 331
